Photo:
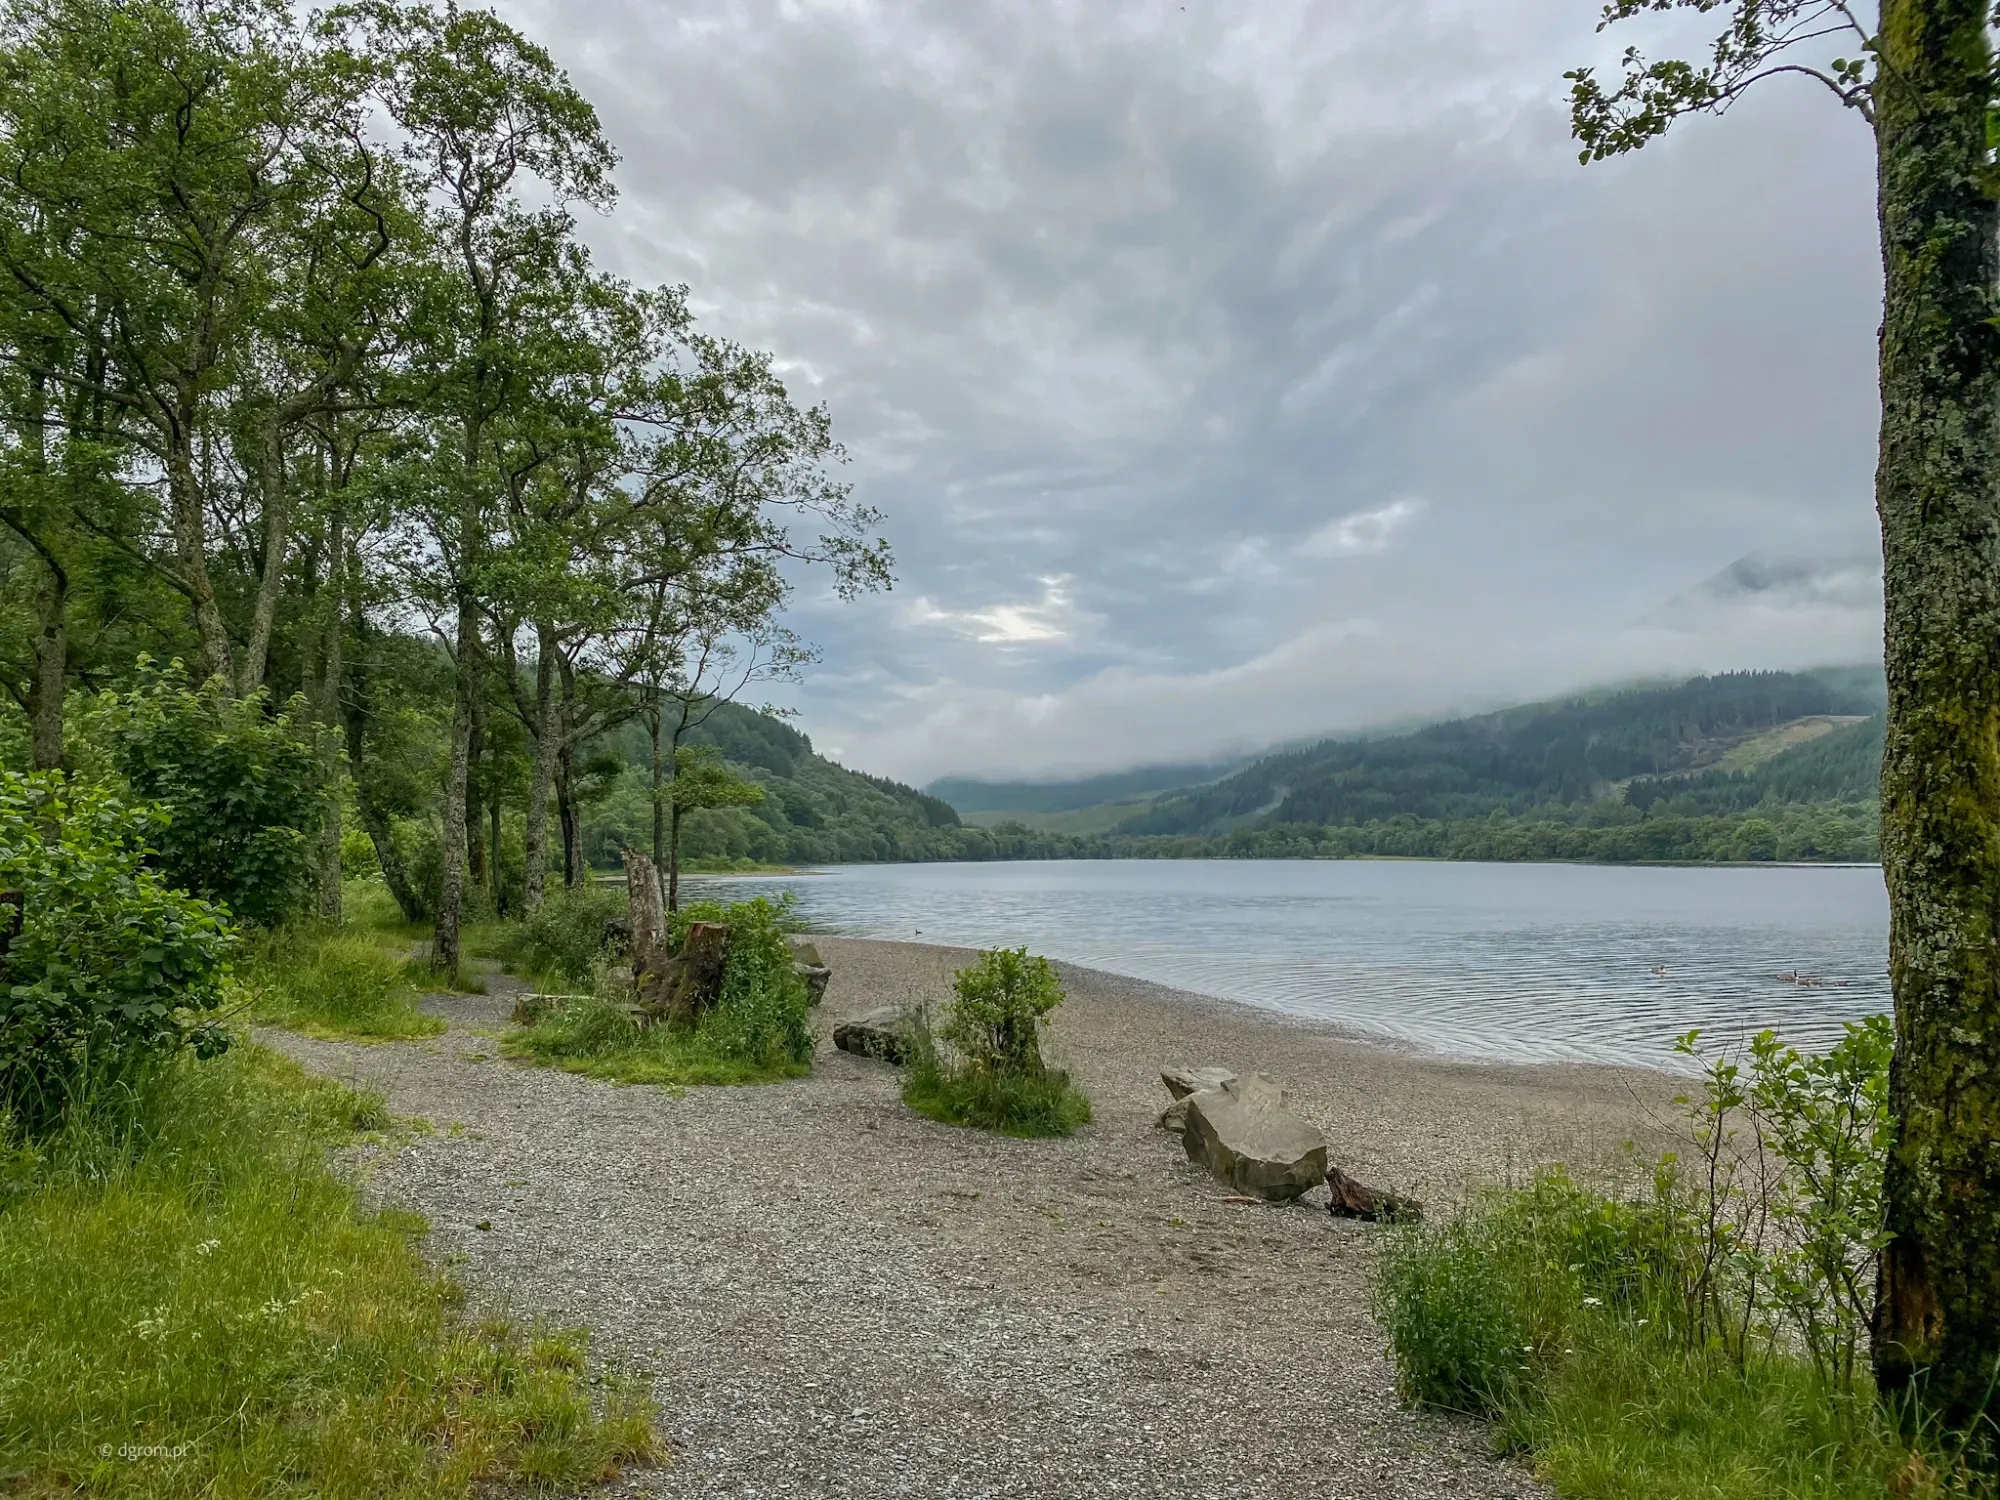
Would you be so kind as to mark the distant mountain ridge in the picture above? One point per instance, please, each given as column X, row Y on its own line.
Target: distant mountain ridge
column 973, row 796
column 1545, row 755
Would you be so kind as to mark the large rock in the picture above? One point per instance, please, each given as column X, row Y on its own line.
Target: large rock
column 1244, row 1133
column 882, row 1033
column 1182, row 1082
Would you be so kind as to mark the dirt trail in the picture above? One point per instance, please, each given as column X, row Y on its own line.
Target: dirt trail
column 832, row 1296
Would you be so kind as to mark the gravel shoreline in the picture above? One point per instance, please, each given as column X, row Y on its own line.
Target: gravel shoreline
column 833, row 1296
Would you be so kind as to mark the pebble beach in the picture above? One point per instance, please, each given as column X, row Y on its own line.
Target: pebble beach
column 831, row 1295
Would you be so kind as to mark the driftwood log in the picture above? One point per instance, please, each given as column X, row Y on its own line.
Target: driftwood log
column 1352, row 1198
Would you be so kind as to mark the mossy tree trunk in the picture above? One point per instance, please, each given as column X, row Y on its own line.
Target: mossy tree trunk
column 1938, row 1317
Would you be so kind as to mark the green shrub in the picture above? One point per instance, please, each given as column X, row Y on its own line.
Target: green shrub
column 342, row 983
column 1455, row 1317
column 1696, row 1338
column 995, row 1078
column 763, row 1017
column 564, row 939
column 758, row 1030
column 112, row 968
column 997, row 1010
column 238, row 784
column 200, row 1285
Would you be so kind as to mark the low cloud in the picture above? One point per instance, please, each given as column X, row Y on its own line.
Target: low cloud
column 1145, row 324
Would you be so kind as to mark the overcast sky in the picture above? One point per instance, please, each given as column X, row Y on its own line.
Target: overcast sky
column 1235, row 373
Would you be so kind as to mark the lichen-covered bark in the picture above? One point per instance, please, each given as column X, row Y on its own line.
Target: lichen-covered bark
column 1938, row 1318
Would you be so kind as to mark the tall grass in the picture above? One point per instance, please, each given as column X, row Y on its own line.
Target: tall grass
column 193, row 1304
column 333, row 982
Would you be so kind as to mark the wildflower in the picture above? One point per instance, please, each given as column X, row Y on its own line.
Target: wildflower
column 208, row 1247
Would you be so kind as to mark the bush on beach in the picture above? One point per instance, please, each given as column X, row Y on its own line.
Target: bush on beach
column 994, row 1077
column 564, row 941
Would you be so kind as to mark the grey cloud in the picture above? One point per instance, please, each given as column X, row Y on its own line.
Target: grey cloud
column 1152, row 303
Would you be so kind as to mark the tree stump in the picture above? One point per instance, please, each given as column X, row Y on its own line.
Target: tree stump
column 680, row 988
column 648, row 935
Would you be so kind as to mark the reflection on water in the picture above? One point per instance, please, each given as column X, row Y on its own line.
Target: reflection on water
column 1525, row 962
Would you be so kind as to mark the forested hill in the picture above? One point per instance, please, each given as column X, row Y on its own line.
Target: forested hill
column 813, row 812
column 1541, row 756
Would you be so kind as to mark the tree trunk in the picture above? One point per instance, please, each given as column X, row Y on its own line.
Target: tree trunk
column 566, row 814
column 496, row 872
column 674, row 860
column 658, row 767
column 329, row 715
column 1937, row 1331
column 536, row 842
column 45, row 696
column 191, row 552
column 277, row 540
column 451, row 888
column 51, row 679
column 475, row 793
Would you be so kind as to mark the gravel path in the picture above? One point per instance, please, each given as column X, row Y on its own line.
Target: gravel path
column 835, row 1297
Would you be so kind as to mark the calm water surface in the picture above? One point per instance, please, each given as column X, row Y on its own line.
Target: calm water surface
column 1523, row 962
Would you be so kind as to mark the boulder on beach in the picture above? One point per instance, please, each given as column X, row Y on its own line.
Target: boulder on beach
column 1244, row 1133
column 882, row 1033
column 1181, row 1082
column 1354, row 1199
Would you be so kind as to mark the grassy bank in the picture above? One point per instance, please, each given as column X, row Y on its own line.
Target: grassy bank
column 193, row 1303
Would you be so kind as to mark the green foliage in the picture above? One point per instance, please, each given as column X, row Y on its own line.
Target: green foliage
column 994, row 1077
column 239, row 786
column 759, row 1029
column 1699, row 1338
column 998, row 1007
column 763, row 1018
column 201, row 1286
column 338, row 983
column 702, row 780
column 112, row 969
column 564, row 939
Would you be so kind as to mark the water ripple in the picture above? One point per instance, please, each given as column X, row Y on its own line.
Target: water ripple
column 1518, row 962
